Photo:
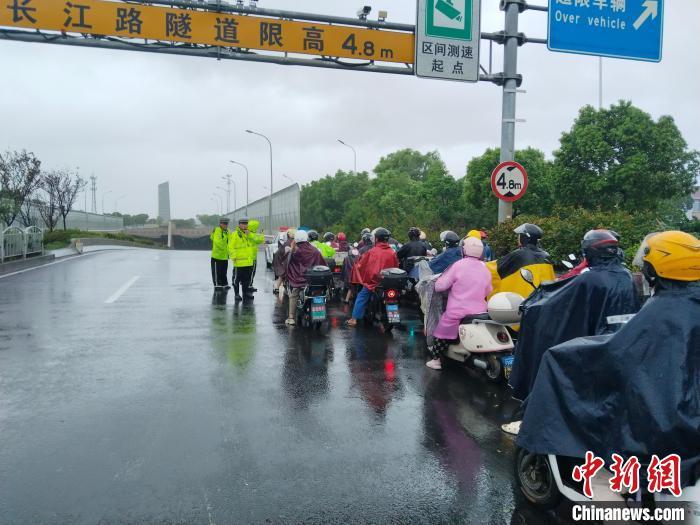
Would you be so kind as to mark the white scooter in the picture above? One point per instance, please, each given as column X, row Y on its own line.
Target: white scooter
column 484, row 340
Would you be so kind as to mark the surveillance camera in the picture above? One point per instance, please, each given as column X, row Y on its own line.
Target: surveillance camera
column 364, row 12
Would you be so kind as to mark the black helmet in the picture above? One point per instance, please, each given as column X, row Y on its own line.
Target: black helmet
column 367, row 237
column 382, row 235
column 413, row 234
column 450, row 238
column 529, row 233
column 328, row 237
column 313, row 235
column 365, row 231
column 600, row 244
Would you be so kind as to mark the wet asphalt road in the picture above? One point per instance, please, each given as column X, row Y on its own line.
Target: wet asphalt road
column 161, row 402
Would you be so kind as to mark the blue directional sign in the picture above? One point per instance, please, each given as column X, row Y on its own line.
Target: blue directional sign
column 630, row 29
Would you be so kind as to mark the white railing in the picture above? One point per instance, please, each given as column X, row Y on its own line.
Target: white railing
column 16, row 243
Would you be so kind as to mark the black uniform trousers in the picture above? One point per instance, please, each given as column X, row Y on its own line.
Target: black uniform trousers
column 219, row 269
column 243, row 279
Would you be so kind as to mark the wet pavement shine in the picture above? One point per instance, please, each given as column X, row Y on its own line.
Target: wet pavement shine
column 131, row 393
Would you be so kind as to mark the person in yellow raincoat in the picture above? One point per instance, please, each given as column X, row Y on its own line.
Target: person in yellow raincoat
column 243, row 250
column 219, row 254
column 505, row 271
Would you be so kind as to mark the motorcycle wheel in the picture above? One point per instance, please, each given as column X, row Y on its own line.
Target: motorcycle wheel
column 536, row 480
column 317, row 325
column 494, row 372
column 387, row 327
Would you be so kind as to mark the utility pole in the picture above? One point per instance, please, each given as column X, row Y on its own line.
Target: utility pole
column 510, row 86
column 94, row 193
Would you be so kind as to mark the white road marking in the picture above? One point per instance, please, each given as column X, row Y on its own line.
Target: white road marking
column 122, row 290
column 71, row 258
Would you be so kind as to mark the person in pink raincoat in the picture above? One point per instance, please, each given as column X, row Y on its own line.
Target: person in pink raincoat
column 469, row 283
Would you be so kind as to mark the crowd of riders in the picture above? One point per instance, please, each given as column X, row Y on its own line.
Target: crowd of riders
column 580, row 340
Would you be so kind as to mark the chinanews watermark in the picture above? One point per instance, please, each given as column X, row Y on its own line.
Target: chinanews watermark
column 662, row 477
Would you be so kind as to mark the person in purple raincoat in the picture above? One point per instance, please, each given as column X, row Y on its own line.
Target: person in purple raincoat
column 469, row 283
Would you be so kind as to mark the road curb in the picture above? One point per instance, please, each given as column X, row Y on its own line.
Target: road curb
column 23, row 264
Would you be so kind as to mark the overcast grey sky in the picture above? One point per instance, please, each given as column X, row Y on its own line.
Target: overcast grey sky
column 136, row 119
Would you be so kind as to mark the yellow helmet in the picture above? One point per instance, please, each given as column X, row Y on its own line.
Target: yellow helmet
column 474, row 233
column 673, row 255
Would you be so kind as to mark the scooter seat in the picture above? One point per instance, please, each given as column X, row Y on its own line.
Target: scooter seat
column 475, row 317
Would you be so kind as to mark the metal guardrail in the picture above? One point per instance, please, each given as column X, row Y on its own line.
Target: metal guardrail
column 16, row 243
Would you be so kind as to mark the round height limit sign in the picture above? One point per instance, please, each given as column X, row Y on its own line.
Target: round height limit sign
column 509, row 181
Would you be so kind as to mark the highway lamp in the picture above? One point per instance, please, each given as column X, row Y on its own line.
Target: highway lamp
column 354, row 153
column 220, row 202
column 230, row 180
column 116, row 201
column 228, row 198
column 269, row 211
column 103, row 200
column 218, row 208
column 247, row 186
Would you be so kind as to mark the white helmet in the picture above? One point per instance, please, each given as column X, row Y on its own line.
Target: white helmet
column 473, row 247
column 301, row 236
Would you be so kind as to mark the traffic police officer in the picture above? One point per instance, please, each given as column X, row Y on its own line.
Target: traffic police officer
column 219, row 254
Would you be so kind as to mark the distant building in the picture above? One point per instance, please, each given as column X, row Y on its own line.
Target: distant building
column 164, row 203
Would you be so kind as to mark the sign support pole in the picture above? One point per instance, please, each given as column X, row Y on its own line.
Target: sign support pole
column 510, row 84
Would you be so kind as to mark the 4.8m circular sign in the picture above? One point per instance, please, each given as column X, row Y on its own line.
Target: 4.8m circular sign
column 509, row 181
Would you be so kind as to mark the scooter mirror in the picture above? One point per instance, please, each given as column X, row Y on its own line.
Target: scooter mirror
column 527, row 275
column 572, row 257
column 354, row 245
column 568, row 265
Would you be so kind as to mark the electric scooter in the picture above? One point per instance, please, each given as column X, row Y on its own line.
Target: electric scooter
column 383, row 308
column 484, row 339
column 311, row 306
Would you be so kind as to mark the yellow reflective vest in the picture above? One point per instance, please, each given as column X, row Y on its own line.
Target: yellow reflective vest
column 243, row 246
column 328, row 252
column 219, row 244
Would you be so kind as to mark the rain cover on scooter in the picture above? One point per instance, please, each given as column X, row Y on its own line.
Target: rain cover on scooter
column 635, row 392
column 564, row 310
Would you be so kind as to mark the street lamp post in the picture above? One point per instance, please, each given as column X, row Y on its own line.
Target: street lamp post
column 103, row 200
column 354, row 153
column 247, row 186
column 227, row 178
column 218, row 208
column 220, row 202
column 269, row 210
column 116, row 201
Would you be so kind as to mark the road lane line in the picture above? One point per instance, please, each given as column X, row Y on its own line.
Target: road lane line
column 122, row 290
column 69, row 258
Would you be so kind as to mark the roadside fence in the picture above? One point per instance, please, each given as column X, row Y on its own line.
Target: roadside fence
column 18, row 243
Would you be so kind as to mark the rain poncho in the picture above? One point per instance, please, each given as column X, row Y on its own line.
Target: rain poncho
column 563, row 310
column 303, row 258
column 379, row 258
column 446, row 259
column 432, row 304
column 635, row 392
column 469, row 282
column 506, row 270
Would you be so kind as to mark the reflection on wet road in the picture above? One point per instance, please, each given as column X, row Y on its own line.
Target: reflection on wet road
column 172, row 404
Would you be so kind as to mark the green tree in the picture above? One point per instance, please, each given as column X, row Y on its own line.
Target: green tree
column 481, row 205
column 209, row 220
column 326, row 202
column 621, row 159
column 412, row 163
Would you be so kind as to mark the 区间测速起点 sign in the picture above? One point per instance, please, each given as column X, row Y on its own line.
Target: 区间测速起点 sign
column 447, row 39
